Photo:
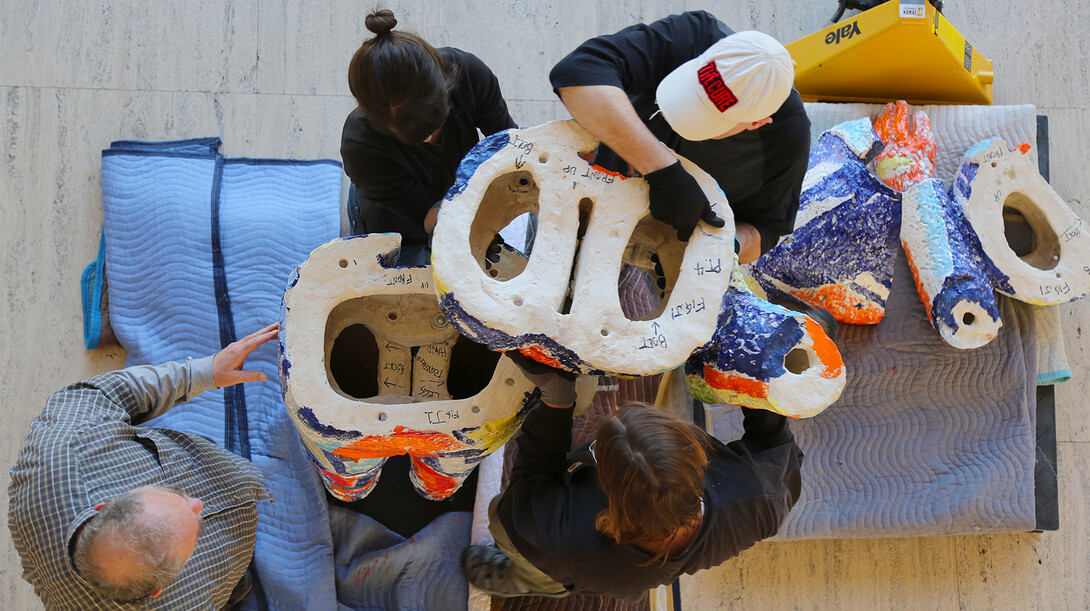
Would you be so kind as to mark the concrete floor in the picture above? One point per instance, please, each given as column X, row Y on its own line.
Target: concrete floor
column 269, row 78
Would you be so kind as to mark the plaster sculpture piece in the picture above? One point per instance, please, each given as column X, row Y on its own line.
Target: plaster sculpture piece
column 994, row 181
column 942, row 252
column 767, row 357
column 563, row 308
column 841, row 254
column 344, row 287
column 909, row 156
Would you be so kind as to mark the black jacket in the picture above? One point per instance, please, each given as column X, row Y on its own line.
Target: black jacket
column 760, row 171
column 550, row 505
column 400, row 182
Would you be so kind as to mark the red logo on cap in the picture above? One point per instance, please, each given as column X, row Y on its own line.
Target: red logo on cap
column 713, row 85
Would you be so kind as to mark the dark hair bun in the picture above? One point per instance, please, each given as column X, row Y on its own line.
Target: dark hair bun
column 381, row 22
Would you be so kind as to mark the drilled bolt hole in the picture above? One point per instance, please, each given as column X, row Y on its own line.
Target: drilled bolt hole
column 382, row 416
column 343, row 263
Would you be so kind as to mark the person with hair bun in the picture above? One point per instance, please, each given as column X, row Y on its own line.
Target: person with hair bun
column 650, row 498
column 419, row 109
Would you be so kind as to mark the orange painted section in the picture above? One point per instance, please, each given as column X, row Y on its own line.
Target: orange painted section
column 826, row 350
column 607, row 171
column 739, row 384
column 539, row 355
column 842, row 304
column 909, row 156
column 403, row 441
column 439, row 486
column 924, row 297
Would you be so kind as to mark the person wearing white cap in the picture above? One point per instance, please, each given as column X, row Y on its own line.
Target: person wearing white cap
column 724, row 100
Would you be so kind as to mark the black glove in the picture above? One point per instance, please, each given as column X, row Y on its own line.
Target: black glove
column 557, row 386
column 492, row 253
column 677, row 199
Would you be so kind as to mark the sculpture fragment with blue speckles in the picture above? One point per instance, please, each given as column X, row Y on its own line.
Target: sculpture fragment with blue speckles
column 765, row 356
column 840, row 256
column 945, row 258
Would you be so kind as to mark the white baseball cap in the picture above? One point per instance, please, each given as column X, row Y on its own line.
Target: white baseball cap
column 742, row 78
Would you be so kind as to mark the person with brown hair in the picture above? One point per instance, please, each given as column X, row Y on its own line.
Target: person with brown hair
column 419, row 109
column 650, row 498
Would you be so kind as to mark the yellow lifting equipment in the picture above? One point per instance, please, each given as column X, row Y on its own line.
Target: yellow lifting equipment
column 899, row 50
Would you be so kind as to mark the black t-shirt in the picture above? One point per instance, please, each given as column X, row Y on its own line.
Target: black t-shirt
column 760, row 171
column 550, row 505
column 400, row 182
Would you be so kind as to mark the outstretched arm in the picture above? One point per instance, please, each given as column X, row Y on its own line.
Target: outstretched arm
column 606, row 112
column 157, row 389
column 227, row 363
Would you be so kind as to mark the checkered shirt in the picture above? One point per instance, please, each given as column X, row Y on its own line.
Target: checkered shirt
column 86, row 447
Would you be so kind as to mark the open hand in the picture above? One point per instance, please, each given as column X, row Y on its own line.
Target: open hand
column 227, row 364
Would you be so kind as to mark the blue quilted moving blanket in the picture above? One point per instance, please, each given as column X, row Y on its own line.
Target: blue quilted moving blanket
column 198, row 249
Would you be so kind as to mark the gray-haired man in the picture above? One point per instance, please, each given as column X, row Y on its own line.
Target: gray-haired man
column 107, row 514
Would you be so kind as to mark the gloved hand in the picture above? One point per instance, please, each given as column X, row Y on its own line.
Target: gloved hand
column 492, row 253
column 557, row 386
column 678, row 200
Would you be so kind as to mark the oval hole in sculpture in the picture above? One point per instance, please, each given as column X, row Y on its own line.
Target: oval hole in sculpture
column 797, row 361
column 653, row 256
column 586, row 209
column 472, row 366
column 343, row 263
column 509, row 196
column 544, row 157
column 353, row 361
column 361, row 337
column 1029, row 233
column 968, row 319
column 382, row 416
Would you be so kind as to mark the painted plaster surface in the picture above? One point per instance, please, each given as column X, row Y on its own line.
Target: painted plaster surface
column 841, row 254
column 909, row 156
column 541, row 170
column 767, row 357
column 943, row 253
column 348, row 282
column 992, row 178
column 175, row 70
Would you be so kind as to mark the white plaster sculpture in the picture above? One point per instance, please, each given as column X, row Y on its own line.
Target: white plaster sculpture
column 941, row 250
column 765, row 356
column 993, row 178
column 562, row 308
column 349, row 282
